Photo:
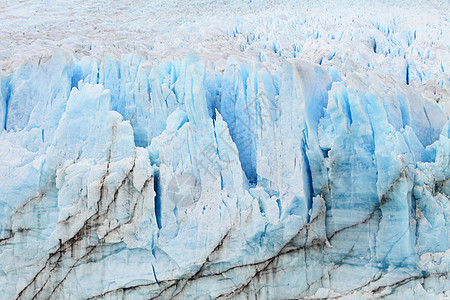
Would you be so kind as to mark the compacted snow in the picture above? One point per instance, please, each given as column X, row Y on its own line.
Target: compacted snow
column 224, row 149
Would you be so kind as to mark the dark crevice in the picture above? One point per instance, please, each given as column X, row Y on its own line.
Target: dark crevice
column 439, row 187
column 154, row 274
column 407, row 74
column 35, row 198
column 309, row 191
column 76, row 77
column 243, row 135
column 10, row 236
column 7, row 98
column 157, row 187
column 279, row 208
column 98, row 75
column 406, row 280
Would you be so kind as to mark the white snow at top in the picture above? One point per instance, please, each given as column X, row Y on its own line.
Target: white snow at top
column 390, row 37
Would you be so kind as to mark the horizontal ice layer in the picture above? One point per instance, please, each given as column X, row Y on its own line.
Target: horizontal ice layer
column 410, row 42
column 129, row 178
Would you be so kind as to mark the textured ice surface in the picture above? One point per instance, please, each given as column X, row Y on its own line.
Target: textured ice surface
column 299, row 152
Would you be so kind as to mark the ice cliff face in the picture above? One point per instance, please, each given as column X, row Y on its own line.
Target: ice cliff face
column 302, row 151
column 122, row 178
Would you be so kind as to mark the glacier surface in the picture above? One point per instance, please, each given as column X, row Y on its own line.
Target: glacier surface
column 315, row 170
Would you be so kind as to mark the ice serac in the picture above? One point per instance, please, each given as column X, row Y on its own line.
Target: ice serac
column 136, row 179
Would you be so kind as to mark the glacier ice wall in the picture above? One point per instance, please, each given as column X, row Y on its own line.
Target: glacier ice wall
column 136, row 179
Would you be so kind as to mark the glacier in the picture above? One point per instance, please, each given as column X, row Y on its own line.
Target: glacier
column 173, row 180
column 277, row 173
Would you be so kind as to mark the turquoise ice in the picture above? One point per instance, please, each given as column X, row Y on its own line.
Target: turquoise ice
column 174, row 180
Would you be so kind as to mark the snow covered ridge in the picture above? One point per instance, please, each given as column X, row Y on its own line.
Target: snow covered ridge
column 409, row 40
column 129, row 178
